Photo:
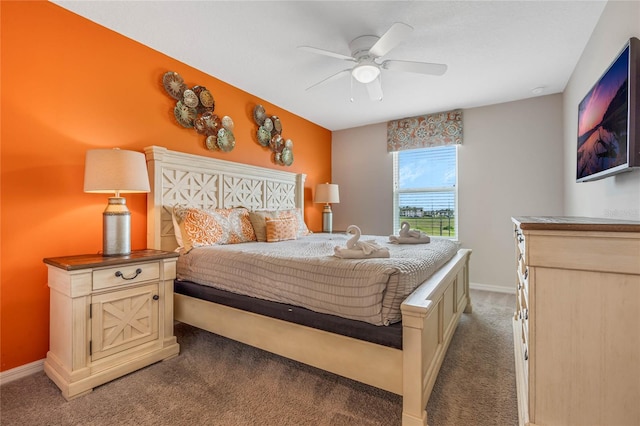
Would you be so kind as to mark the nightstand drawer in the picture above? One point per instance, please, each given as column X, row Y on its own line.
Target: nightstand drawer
column 125, row 275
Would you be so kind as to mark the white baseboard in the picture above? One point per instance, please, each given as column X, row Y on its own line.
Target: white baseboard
column 22, row 371
column 494, row 288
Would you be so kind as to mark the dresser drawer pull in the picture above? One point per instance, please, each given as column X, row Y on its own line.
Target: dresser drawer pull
column 121, row 275
column 156, row 297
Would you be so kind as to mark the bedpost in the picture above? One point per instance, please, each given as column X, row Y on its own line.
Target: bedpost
column 299, row 198
column 468, row 307
column 154, row 155
column 414, row 402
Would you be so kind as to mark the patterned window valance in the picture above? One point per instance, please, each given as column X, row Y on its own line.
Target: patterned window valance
column 442, row 128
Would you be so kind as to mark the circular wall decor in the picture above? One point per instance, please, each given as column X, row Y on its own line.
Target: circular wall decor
column 194, row 109
column 269, row 135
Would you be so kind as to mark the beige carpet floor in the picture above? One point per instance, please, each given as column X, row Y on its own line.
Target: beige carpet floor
column 216, row 381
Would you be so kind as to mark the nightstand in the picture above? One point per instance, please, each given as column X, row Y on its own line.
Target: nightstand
column 109, row 316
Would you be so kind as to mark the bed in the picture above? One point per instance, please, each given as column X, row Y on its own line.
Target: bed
column 429, row 315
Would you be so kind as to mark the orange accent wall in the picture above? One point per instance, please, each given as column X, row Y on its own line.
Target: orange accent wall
column 69, row 85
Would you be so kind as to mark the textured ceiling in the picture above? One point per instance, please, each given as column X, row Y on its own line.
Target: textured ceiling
column 496, row 51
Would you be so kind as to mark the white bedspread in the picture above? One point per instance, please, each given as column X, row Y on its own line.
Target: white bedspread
column 305, row 273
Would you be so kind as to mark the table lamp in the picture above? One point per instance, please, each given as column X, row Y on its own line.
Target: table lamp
column 327, row 193
column 115, row 171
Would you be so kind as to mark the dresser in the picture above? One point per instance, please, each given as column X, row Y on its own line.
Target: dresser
column 109, row 316
column 576, row 326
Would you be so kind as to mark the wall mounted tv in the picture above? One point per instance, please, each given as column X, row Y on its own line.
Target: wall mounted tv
column 608, row 121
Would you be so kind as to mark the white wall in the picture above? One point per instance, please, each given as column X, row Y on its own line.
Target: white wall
column 618, row 196
column 510, row 164
column 362, row 167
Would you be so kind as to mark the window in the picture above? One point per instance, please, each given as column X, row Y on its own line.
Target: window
column 425, row 183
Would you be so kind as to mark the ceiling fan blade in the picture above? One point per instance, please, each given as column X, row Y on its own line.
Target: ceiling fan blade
column 326, row 53
column 393, row 37
column 417, row 67
column 331, row 78
column 375, row 89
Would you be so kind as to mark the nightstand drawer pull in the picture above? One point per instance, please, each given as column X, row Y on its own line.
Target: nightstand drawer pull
column 121, row 275
column 156, row 297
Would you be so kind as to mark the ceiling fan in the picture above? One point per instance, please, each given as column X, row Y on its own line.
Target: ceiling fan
column 366, row 53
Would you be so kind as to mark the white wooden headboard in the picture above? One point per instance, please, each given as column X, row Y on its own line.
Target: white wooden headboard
column 203, row 182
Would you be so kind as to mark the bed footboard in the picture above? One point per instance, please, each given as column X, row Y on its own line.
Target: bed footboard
column 430, row 316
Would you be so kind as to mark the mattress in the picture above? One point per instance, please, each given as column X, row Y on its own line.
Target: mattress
column 390, row 336
column 305, row 273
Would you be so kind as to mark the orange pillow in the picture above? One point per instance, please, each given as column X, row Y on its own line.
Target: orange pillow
column 281, row 229
column 217, row 226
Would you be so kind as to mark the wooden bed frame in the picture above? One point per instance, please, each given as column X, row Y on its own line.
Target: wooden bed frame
column 429, row 315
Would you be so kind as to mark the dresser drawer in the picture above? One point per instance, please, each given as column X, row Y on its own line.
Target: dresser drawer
column 524, row 303
column 525, row 351
column 525, row 341
column 125, row 275
column 523, row 278
column 520, row 242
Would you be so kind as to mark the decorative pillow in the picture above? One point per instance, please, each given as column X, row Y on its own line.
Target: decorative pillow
column 281, row 229
column 219, row 226
column 258, row 220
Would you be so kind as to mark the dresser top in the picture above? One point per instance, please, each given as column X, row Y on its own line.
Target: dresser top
column 575, row 223
column 71, row 263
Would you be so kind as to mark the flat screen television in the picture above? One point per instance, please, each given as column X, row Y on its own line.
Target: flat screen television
column 608, row 122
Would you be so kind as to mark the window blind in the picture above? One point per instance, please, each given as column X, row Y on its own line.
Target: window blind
column 425, row 189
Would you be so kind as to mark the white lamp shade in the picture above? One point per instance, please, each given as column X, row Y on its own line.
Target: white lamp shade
column 327, row 193
column 114, row 171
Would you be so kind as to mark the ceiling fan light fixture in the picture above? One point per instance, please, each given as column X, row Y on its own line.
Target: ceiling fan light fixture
column 365, row 73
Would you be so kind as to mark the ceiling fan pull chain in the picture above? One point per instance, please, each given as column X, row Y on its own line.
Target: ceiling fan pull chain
column 380, row 82
column 351, row 88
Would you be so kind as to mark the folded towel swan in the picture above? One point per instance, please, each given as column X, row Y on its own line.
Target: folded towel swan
column 406, row 231
column 409, row 236
column 359, row 249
